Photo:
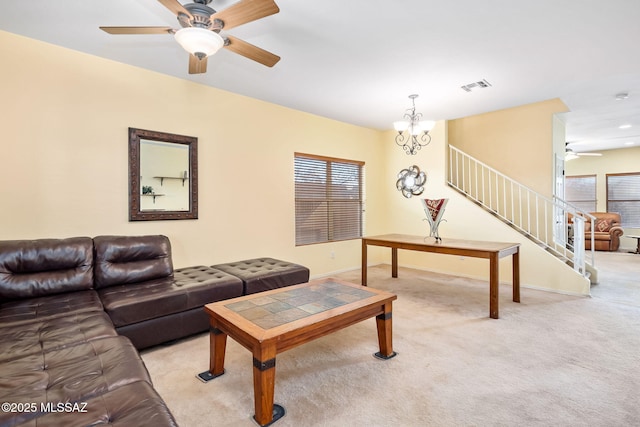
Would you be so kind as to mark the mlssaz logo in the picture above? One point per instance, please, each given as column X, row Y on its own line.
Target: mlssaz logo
column 63, row 407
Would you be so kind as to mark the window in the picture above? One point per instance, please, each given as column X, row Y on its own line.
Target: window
column 580, row 191
column 329, row 199
column 623, row 196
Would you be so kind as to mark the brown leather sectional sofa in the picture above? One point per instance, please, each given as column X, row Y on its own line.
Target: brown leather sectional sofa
column 74, row 312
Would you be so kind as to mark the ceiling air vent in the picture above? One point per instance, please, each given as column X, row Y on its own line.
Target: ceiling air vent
column 476, row 85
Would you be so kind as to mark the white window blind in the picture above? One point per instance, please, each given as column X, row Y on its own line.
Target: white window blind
column 328, row 199
column 580, row 191
column 623, row 196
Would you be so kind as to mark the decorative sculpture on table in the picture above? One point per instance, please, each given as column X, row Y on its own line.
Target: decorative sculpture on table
column 434, row 209
column 411, row 181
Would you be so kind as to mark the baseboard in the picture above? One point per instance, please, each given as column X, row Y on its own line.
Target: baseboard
column 448, row 273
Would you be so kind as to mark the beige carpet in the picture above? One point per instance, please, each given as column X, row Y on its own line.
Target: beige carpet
column 552, row 360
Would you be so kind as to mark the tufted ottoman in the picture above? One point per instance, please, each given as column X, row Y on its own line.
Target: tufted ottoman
column 263, row 274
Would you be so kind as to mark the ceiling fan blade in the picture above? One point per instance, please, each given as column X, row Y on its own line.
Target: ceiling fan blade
column 137, row 30
column 197, row 66
column 175, row 7
column 246, row 11
column 252, row 52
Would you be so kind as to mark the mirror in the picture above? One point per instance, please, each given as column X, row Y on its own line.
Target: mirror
column 163, row 176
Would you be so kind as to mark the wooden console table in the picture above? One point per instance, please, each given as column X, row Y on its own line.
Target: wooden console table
column 492, row 251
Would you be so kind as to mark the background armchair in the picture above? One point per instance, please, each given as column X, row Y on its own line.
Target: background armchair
column 607, row 231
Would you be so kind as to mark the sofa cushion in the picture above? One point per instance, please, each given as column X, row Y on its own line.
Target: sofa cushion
column 28, row 310
column 206, row 284
column 602, row 236
column 121, row 260
column 33, row 268
column 70, row 374
column 188, row 288
column 136, row 404
column 262, row 274
column 18, row 340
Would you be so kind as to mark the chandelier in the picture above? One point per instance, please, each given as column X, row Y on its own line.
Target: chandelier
column 413, row 132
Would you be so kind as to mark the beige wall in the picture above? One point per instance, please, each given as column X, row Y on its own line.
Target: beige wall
column 64, row 173
column 464, row 220
column 64, row 170
column 612, row 161
column 519, row 142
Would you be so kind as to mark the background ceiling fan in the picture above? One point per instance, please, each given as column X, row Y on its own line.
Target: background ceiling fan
column 200, row 28
column 569, row 154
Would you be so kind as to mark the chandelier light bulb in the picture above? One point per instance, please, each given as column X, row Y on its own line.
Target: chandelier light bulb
column 416, row 129
column 427, row 125
column 401, row 125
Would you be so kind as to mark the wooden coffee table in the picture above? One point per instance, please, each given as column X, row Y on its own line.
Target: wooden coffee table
column 268, row 323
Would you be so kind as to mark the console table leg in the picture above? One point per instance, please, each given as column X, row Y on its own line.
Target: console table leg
column 363, row 281
column 493, row 286
column 515, row 259
column 394, row 262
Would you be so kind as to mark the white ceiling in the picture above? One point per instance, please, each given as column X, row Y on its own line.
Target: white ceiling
column 358, row 60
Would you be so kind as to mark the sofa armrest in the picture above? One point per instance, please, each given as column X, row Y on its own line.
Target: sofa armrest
column 616, row 231
column 615, row 234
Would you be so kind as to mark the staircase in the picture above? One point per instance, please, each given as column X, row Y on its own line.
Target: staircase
column 554, row 224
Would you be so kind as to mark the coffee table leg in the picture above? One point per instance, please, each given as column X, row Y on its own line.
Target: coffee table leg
column 385, row 335
column 217, row 349
column 218, row 345
column 264, row 378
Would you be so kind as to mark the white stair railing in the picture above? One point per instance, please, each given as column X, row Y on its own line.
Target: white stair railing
column 553, row 223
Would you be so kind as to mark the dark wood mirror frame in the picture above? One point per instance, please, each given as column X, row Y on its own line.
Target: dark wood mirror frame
column 135, row 213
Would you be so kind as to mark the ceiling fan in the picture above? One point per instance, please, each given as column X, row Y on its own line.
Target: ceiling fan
column 200, row 28
column 569, row 154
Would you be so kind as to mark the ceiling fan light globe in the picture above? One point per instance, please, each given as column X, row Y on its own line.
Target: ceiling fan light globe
column 199, row 41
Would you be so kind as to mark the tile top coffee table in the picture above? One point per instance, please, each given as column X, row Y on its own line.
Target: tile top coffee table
column 268, row 323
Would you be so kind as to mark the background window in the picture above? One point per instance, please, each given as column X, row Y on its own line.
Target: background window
column 329, row 199
column 623, row 196
column 580, row 191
